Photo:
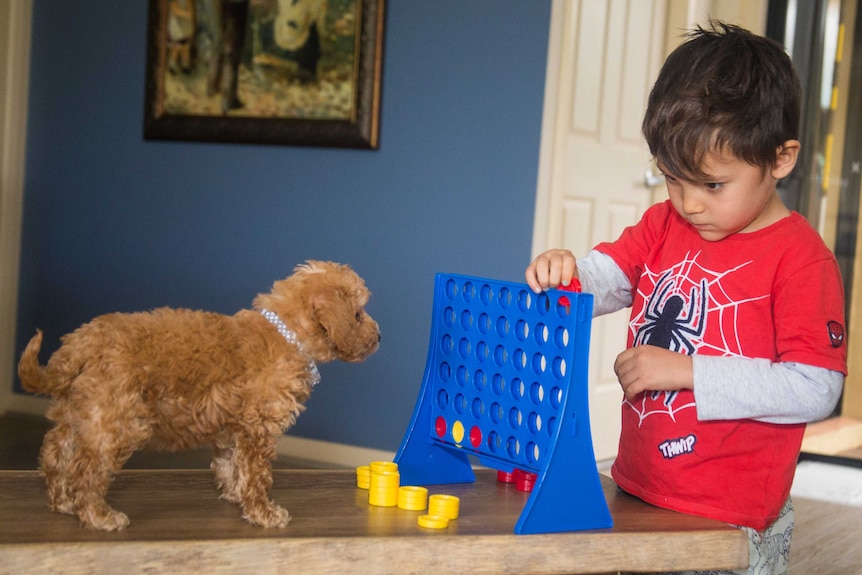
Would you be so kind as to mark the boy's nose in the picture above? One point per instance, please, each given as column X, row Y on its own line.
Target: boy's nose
column 691, row 203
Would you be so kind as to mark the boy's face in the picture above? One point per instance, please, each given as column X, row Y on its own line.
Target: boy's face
column 736, row 198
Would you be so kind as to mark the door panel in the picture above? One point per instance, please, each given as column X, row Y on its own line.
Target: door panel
column 607, row 55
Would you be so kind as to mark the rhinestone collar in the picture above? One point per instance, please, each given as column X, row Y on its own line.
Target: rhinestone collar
column 290, row 336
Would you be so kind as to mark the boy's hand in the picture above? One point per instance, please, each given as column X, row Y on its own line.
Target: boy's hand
column 550, row 269
column 651, row 368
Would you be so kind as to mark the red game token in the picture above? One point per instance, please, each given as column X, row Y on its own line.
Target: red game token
column 505, row 477
column 524, row 480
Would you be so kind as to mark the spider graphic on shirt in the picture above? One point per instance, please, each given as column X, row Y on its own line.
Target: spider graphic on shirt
column 668, row 323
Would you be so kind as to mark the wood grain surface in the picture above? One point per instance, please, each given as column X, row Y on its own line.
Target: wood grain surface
column 179, row 525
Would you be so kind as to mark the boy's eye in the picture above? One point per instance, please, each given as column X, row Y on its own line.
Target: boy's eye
column 713, row 186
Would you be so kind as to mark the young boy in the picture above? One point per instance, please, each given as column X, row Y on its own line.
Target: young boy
column 736, row 337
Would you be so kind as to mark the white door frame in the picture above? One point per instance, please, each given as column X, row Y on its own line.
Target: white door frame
column 15, row 30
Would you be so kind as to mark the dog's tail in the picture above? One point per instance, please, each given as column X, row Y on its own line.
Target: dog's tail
column 32, row 375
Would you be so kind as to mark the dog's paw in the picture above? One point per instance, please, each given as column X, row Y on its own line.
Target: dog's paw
column 111, row 521
column 269, row 516
column 64, row 505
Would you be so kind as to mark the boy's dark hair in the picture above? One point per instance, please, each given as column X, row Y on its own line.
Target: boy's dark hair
column 723, row 89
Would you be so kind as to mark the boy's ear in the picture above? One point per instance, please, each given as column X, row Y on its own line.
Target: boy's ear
column 785, row 158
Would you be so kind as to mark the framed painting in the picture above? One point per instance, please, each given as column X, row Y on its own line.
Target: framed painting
column 289, row 72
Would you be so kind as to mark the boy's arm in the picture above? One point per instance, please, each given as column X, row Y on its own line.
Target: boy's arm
column 601, row 276
column 752, row 388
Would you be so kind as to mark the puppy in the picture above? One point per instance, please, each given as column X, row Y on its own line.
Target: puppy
column 175, row 379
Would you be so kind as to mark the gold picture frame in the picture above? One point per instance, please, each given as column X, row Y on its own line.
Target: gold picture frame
column 281, row 72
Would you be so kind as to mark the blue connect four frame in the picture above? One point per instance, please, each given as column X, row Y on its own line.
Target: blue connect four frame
column 506, row 381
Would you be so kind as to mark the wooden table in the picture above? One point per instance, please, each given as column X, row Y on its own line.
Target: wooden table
column 178, row 525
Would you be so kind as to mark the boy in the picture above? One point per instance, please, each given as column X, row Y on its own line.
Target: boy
column 736, row 336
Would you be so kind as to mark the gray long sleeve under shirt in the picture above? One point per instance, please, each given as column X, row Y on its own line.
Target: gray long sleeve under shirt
column 728, row 387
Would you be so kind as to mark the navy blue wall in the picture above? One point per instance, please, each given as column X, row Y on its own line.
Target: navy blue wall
column 116, row 223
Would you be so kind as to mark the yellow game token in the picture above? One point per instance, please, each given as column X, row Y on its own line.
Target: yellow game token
column 412, row 498
column 363, row 477
column 379, row 466
column 433, row 522
column 444, row 505
column 383, row 489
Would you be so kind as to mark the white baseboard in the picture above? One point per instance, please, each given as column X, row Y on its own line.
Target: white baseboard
column 22, row 403
column 330, row 453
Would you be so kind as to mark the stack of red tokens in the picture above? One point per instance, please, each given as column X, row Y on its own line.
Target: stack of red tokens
column 524, row 480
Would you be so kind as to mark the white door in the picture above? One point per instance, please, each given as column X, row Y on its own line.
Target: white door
column 603, row 59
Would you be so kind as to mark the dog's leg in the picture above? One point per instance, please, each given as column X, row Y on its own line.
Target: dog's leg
column 57, row 448
column 104, row 441
column 89, row 487
column 252, row 458
column 225, row 471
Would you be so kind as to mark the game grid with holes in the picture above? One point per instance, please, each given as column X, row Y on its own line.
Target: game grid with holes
column 506, row 381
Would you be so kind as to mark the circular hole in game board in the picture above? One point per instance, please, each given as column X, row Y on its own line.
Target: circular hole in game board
column 466, row 320
column 541, row 333
column 522, row 330
column 525, row 300
column 537, row 393
column 480, row 380
column 561, row 336
column 501, row 356
column 559, row 367
column 460, row 403
column 478, row 408
column 540, row 363
column 495, row 442
column 505, row 298
column 484, row 323
column 503, row 326
column 556, row 397
column 451, row 289
column 464, row 347
column 532, row 452
column 443, row 399
column 445, row 372
column 518, row 388
column 519, row 359
column 543, row 305
column 447, row 344
column 449, row 317
column 564, row 307
column 534, row 422
column 486, row 294
column 496, row 412
column 515, row 418
column 483, row 352
column 498, row 384
column 513, row 447
column 468, row 292
column 552, row 426
column 463, row 376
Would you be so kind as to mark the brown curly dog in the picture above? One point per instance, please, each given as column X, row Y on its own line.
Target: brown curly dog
column 175, row 379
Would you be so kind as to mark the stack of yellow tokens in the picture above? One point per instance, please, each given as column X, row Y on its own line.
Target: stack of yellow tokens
column 385, row 481
column 441, row 510
column 412, row 498
column 363, row 477
column 446, row 506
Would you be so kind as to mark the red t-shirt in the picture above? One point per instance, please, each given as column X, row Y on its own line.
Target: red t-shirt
column 775, row 293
